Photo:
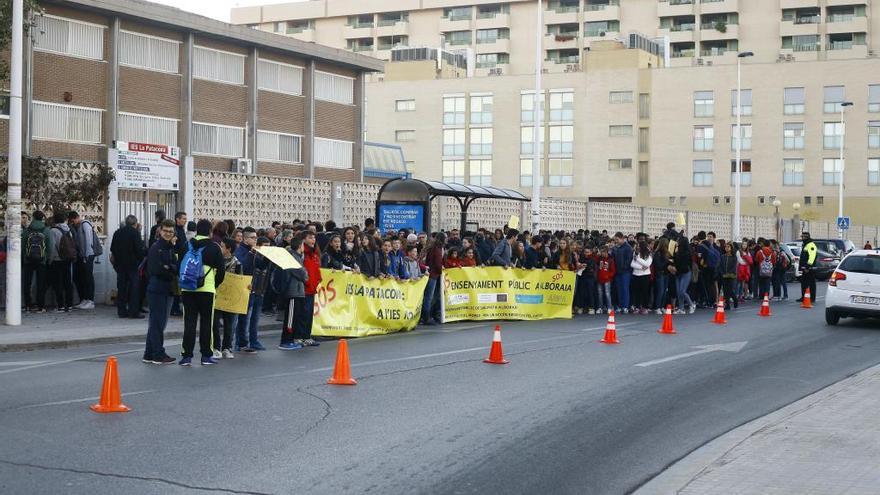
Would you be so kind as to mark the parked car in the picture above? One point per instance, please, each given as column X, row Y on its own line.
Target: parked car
column 835, row 246
column 854, row 287
column 792, row 273
column 825, row 262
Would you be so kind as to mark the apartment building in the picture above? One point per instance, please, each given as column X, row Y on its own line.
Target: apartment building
column 629, row 130
column 501, row 35
column 233, row 98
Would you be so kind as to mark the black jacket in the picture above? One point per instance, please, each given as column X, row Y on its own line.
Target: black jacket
column 369, row 263
column 127, row 248
column 161, row 267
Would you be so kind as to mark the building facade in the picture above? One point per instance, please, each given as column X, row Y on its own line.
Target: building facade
column 502, row 34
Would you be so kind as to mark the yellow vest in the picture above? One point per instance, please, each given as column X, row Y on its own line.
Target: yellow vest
column 811, row 250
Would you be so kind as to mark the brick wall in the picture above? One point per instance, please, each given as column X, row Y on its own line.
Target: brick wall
column 280, row 169
column 73, row 151
column 85, row 80
column 336, row 174
column 149, row 92
column 336, row 121
column 218, row 163
column 281, row 113
column 219, row 103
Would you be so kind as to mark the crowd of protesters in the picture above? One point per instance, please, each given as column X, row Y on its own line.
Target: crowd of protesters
column 629, row 274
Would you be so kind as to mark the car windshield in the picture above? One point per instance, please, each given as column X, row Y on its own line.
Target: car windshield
column 795, row 250
column 827, row 246
column 862, row 264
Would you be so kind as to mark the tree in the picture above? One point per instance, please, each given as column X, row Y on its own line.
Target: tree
column 31, row 6
column 59, row 185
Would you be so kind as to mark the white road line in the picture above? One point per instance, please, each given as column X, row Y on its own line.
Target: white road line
column 20, row 363
column 65, row 361
column 87, row 399
column 733, row 347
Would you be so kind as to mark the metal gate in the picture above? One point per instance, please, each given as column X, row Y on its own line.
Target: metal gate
column 143, row 203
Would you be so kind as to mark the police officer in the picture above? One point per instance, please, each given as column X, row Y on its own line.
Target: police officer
column 807, row 263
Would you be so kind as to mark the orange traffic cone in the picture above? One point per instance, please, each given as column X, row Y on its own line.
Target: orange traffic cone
column 667, row 327
column 342, row 370
column 610, row 330
column 111, row 398
column 496, row 354
column 807, row 302
column 765, row 307
column 720, row 319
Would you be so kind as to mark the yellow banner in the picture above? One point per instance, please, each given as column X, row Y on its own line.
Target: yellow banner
column 350, row 305
column 496, row 293
column 233, row 294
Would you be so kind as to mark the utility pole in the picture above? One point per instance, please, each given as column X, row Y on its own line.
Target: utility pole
column 13, row 192
column 737, row 176
column 537, row 150
column 840, row 232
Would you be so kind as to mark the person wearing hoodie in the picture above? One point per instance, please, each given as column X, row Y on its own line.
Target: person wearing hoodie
column 681, row 269
column 585, row 291
column 641, row 281
column 728, row 271
column 605, row 271
column 61, row 260
column 36, row 244
column 312, row 265
column 161, row 285
column 661, row 273
column 198, row 303
column 411, row 263
column 396, row 257
column 765, row 260
column 623, row 256
column 290, row 285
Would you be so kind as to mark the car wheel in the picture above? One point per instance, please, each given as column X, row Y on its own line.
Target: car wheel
column 831, row 318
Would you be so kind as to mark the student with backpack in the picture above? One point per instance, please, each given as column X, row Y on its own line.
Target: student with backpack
column 780, row 288
column 61, row 259
column 201, row 271
column 765, row 260
column 36, row 241
column 88, row 248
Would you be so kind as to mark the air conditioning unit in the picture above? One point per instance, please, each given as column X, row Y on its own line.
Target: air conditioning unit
column 761, row 200
column 243, row 166
column 708, row 62
column 727, row 200
column 699, row 61
column 716, row 200
column 789, row 58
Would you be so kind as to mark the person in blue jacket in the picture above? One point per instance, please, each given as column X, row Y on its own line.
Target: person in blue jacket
column 623, row 256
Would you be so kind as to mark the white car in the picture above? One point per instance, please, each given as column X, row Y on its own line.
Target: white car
column 854, row 287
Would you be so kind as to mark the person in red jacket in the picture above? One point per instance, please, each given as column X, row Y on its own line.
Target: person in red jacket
column 453, row 260
column 312, row 264
column 605, row 271
column 765, row 260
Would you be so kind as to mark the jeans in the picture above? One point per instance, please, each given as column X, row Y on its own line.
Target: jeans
column 246, row 330
column 729, row 293
column 84, row 278
column 622, row 280
column 661, row 281
column 128, row 298
column 62, row 285
column 780, row 288
column 605, row 296
column 29, row 270
column 198, row 309
column 431, row 293
column 682, row 281
column 159, row 305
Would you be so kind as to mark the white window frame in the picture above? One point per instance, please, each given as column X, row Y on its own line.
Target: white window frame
column 67, row 53
column 276, row 158
column 484, row 179
column 797, row 141
column 346, row 98
column 479, row 147
column 347, row 155
column 148, row 140
column 175, row 69
column 793, row 177
column 217, row 139
column 97, row 111
column 482, row 116
column 617, row 164
column 795, row 108
column 707, row 178
column 832, row 141
column 298, row 85
column 707, row 143
column 746, row 134
column 455, row 164
column 562, row 145
column 704, row 107
column 620, row 130
column 527, row 139
column 873, row 134
column 565, row 110
column 407, row 107
column 216, row 77
column 457, row 116
column 456, row 143
column 619, row 97
column 404, row 135
column 834, row 174
column 746, row 108
column 874, row 171
column 565, row 175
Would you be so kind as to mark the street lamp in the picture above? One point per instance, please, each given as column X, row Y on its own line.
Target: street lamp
column 537, row 154
column 737, row 178
column 843, row 105
column 777, row 204
column 796, row 227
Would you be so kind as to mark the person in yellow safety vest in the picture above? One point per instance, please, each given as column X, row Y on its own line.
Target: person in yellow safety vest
column 198, row 302
column 807, row 262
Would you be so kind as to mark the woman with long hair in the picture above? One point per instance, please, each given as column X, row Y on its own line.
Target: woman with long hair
column 368, row 256
column 641, row 278
column 434, row 260
column 333, row 258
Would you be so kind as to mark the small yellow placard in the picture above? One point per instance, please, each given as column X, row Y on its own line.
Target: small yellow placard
column 233, row 294
column 514, row 222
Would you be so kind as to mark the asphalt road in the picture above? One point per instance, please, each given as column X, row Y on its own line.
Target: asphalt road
column 567, row 415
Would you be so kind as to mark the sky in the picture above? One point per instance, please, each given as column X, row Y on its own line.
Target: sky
column 217, row 9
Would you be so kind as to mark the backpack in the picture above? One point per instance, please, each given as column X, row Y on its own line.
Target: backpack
column 97, row 247
column 192, row 269
column 714, row 259
column 66, row 246
column 782, row 260
column 766, row 268
column 36, row 247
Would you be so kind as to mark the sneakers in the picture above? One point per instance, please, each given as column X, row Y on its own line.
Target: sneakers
column 208, row 360
column 227, row 354
column 85, row 304
column 248, row 350
column 38, row 310
column 164, row 360
column 258, row 347
column 591, row 311
column 692, row 309
column 185, row 361
column 217, row 354
column 659, row 311
column 290, row 346
column 679, row 311
column 625, row 311
column 311, row 343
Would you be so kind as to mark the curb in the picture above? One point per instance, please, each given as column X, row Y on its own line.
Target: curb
column 681, row 472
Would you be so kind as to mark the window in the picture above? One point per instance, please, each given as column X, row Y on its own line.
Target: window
column 561, row 172
column 793, row 102
column 525, row 171
column 279, row 147
column 644, row 106
column 874, row 171
column 620, row 164
column 833, row 135
column 481, row 172
column 561, row 139
column 874, row 134
column 4, row 105
column 745, row 135
column 600, row 28
column 333, row 153
column 55, row 122
column 746, row 177
column 458, row 13
column 68, row 37
column 453, row 110
column 643, row 174
column 405, row 135
column 704, row 104
column 219, row 140
column 453, row 142
column 458, row 37
column 218, row 66
column 333, row 87
column 147, row 129
column 644, row 140
column 702, row 173
column 620, row 97
column 453, row 171
column 527, row 106
column 481, row 141
column 704, row 138
column 793, row 135
column 481, row 109
column 492, row 35
column 793, row 172
column 746, row 104
column 405, row 105
column 834, row 96
column 831, row 170
column 281, row 78
column 561, row 106
column 874, row 98
column 148, row 52
column 527, row 140
column 620, row 130
column 491, row 60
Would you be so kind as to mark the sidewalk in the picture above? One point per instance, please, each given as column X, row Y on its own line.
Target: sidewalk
column 99, row 326
column 828, row 442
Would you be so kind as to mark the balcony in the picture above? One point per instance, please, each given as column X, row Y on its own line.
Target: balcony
column 798, row 27
column 717, row 56
column 836, row 3
column 392, row 28
column 304, row 35
column 710, row 33
column 352, row 31
column 601, row 12
column 845, row 24
column 455, row 23
column 497, row 46
column 675, row 7
column 561, row 15
column 797, row 4
column 560, row 41
column 492, row 21
column 843, row 51
column 719, row 6
column 678, row 34
column 497, row 70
